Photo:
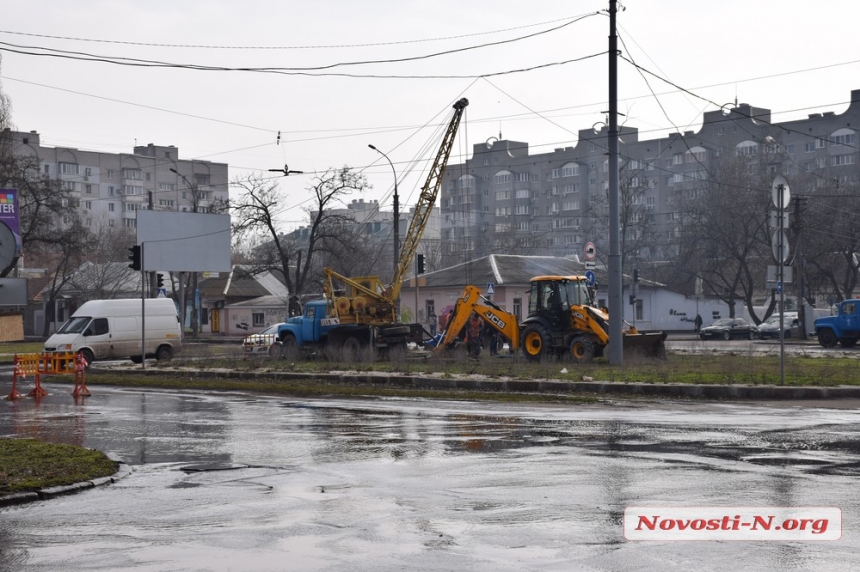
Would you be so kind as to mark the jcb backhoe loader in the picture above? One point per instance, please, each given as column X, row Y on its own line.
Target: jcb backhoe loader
column 561, row 323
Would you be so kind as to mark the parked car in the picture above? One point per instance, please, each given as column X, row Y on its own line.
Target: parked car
column 728, row 328
column 770, row 328
column 262, row 342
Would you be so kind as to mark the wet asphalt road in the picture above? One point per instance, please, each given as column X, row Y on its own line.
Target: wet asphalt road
column 423, row 485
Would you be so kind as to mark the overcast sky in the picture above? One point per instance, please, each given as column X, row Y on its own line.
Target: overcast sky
column 794, row 57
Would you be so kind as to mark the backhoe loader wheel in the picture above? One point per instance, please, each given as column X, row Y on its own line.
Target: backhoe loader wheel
column 536, row 342
column 582, row 349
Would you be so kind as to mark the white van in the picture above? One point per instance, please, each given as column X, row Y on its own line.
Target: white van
column 111, row 329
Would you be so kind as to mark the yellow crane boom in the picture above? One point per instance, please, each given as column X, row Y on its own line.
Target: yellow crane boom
column 366, row 299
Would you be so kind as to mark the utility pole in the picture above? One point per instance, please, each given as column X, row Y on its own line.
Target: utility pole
column 396, row 229
column 799, row 270
column 616, row 304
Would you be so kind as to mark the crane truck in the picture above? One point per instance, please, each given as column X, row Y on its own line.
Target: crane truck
column 357, row 315
column 562, row 322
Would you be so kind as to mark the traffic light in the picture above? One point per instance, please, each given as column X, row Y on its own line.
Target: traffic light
column 420, row 263
column 134, row 257
column 159, row 280
column 636, row 275
column 632, row 299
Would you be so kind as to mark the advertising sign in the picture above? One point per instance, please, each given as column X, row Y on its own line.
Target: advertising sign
column 9, row 215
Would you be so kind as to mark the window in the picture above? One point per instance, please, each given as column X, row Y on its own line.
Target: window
column 523, row 194
column 69, row 185
column 503, row 195
column 677, row 159
column 522, row 177
column 110, row 207
column 569, row 189
column 89, row 222
column 570, row 205
column 820, row 143
column 110, row 222
column 503, row 211
column 695, row 155
column 110, row 173
column 166, row 187
column 523, row 210
column 569, row 170
column 721, row 131
column 838, row 160
column 746, row 148
column 88, row 205
column 201, row 179
column 130, row 222
column 132, row 190
column 809, row 147
column 69, row 168
column 502, row 177
column 133, row 174
column 842, row 137
column 88, row 189
column 165, row 203
column 258, row 318
column 638, row 308
column 131, row 207
column 147, row 176
column 47, row 169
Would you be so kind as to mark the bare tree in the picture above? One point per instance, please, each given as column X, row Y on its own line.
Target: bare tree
column 330, row 233
column 831, row 236
column 724, row 233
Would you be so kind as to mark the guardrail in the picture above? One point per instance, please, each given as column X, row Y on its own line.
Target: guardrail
column 37, row 365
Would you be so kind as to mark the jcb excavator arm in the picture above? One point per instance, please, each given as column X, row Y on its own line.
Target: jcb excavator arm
column 473, row 301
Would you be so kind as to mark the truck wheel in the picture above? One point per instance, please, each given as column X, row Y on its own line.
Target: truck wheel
column 164, row 353
column 536, row 342
column 582, row 349
column 827, row 338
column 275, row 350
column 136, row 359
column 88, row 357
column 848, row 342
column 353, row 350
column 289, row 350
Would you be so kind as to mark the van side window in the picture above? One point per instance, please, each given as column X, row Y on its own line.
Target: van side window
column 99, row 326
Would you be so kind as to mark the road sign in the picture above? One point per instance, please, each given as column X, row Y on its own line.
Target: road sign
column 491, row 288
column 779, row 246
column 781, row 192
column 590, row 265
column 589, row 277
column 162, row 293
column 590, row 251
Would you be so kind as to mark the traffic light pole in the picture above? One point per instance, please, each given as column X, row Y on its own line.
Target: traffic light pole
column 142, row 309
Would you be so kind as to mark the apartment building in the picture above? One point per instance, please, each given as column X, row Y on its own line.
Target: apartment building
column 111, row 187
column 506, row 200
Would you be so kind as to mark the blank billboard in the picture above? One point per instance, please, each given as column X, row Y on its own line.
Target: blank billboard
column 184, row 242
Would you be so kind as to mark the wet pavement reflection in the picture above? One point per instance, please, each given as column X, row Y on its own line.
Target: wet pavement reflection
column 226, row 481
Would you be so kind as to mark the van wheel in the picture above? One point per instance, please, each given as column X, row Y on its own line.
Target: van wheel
column 164, row 353
column 87, row 356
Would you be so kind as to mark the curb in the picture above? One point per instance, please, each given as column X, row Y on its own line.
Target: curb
column 123, row 471
column 716, row 391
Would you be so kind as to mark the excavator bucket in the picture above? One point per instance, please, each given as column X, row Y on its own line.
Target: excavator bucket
column 645, row 344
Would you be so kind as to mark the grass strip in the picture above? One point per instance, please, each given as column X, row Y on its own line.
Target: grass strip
column 29, row 465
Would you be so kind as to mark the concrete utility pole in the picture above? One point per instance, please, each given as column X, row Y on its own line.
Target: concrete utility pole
column 616, row 304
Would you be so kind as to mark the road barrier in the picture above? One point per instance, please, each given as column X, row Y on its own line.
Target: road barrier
column 38, row 365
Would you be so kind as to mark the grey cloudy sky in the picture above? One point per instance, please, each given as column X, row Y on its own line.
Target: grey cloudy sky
column 794, row 57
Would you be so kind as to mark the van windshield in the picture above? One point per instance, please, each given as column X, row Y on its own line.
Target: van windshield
column 74, row 325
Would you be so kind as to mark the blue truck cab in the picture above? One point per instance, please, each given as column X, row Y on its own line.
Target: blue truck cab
column 842, row 328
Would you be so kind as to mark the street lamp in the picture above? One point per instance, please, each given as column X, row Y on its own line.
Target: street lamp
column 195, row 321
column 396, row 227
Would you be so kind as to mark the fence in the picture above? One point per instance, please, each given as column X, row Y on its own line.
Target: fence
column 37, row 365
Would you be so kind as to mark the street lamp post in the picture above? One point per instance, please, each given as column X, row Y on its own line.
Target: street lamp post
column 195, row 322
column 396, row 227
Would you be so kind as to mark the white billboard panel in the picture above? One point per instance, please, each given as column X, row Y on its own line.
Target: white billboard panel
column 184, row 242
